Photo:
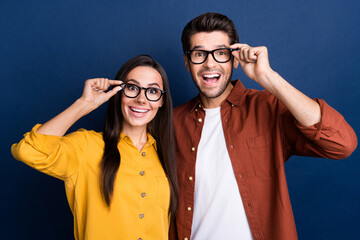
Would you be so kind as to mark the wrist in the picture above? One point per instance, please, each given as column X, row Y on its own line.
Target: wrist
column 83, row 107
column 268, row 79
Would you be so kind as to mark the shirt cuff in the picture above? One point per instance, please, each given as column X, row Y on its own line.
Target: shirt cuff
column 330, row 123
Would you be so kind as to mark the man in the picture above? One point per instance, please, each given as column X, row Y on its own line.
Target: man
column 232, row 142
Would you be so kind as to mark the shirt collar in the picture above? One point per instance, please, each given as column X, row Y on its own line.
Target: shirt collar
column 234, row 97
column 151, row 140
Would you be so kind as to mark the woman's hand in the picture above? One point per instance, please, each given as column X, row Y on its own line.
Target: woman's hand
column 93, row 96
column 95, row 89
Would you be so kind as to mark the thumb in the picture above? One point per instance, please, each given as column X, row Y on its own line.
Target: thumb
column 112, row 92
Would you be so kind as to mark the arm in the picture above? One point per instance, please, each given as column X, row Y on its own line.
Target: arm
column 47, row 150
column 255, row 63
column 324, row 132
column 93, row 96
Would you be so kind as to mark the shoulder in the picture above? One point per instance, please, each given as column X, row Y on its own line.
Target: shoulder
column 85, row 136
column 185, row 107
column 259, row 101
column 260, row 96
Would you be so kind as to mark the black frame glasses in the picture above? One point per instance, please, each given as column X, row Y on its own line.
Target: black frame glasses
column 189, row 53
column 148, row 90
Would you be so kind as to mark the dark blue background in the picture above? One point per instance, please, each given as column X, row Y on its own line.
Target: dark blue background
column 49, row 48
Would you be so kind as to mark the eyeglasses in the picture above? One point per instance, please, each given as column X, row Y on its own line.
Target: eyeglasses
column 151, row 93
column 220, row 55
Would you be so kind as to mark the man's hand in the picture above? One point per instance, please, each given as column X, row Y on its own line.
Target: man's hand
column 254, row 61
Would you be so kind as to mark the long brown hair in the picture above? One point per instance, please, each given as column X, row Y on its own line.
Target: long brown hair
column 161, row 128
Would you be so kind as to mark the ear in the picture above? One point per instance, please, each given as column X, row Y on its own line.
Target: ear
column 235, row 63
column 186, row 61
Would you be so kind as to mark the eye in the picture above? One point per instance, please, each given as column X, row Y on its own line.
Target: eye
column 132, row 87
column 222, row 52
column 198, row 54
column 153, row 91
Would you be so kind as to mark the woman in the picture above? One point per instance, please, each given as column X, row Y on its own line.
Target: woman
column 120, row 184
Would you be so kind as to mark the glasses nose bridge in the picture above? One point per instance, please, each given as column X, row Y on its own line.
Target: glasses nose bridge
column 212, row 55
column 145, row 91
column 138, row 96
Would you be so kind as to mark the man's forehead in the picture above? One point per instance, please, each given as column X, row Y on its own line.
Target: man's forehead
column 205, row 40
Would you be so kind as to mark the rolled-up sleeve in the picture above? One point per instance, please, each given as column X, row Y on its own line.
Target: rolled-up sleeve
column 53, row 155
column 332, row 137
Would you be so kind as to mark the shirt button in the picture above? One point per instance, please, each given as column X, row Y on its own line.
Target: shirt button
column 200, row 120
column 199, row 105
column 190, row 178
column 232, row 105
column 231, row 146
column 140, row 239
column 186, row 238
column 249, row 204
column 143, row 194
column 141, row 216
column 193, row 149
column 143, row 154
column 195, row 109
column 141, row 173
column 189, row 209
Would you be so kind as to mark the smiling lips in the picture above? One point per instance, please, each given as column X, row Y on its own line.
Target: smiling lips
column 137, row 112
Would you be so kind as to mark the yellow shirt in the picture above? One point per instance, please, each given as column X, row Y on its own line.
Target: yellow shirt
column 141, row 197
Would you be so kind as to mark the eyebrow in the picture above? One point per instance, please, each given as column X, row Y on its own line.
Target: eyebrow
column 202, row 47
column 138, row 83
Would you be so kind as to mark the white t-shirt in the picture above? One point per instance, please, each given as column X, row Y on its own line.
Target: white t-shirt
column 218, row 209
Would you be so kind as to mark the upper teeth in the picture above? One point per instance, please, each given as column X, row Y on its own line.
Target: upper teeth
column 139, row 110
column 212, row 75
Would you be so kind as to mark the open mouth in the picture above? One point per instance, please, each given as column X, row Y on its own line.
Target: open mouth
column 211, row 78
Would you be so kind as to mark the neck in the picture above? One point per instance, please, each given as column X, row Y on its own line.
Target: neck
column 216, row 102
column 138, row 136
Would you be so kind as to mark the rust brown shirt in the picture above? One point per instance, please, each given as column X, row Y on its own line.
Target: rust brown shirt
column 260, row 134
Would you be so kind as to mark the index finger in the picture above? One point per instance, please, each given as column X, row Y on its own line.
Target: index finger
column 115, row 82
column 238, row 45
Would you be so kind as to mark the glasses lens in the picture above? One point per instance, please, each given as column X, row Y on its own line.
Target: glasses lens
column 153, row 94
column 131, row 90
column 198, row 56
column 222, row 55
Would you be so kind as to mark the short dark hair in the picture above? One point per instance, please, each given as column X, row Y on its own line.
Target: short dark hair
column 208, row 22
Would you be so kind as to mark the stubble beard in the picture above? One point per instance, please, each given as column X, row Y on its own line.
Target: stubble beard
column 216, row 94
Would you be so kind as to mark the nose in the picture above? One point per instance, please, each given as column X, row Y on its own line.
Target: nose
column 141, row 98
column 210, row 61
